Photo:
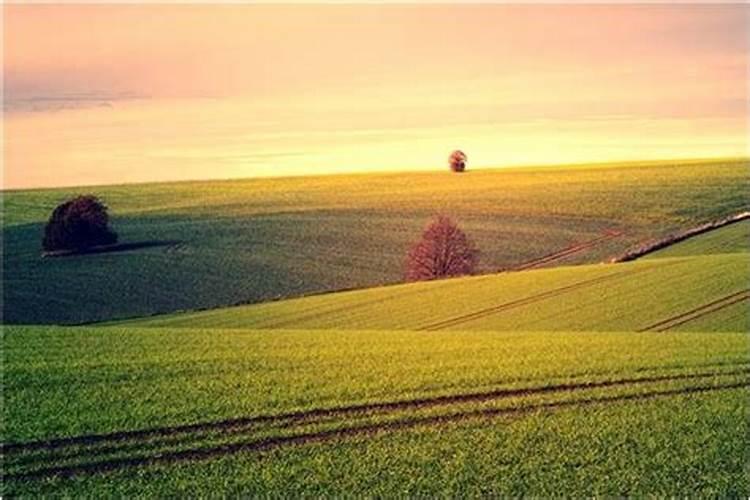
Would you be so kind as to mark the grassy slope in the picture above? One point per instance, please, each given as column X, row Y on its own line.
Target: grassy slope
column 646, row 432
column 691, row 446
column 248, row 241
column 475, row 412
column 69, row 381
column 628, row 296
column 72, row 381
column 733, row 238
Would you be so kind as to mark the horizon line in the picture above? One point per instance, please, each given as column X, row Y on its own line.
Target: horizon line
column 609, row 163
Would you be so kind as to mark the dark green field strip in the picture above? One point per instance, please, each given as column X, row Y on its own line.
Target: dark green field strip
column 699, row 312
column 255, row 444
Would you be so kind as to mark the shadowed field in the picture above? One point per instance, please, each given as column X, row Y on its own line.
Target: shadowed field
column 255, row 240
column 655, row 294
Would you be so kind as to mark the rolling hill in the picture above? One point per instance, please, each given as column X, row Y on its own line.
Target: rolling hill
column 586, row 380
column 99, row 410
column 728, row 239
column 219, row 243
column 685, row 293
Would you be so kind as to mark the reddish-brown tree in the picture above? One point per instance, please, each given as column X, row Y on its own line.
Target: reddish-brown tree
column 77, row 224
column 444, row 251
column 457, row 161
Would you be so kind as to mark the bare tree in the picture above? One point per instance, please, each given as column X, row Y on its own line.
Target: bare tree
column 457, row 161
column 443, row 251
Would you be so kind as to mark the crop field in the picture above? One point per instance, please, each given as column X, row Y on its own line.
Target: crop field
column 113, row 408
column 658, row 294
column 201, row 245
column 733, row 238
column 545, row 379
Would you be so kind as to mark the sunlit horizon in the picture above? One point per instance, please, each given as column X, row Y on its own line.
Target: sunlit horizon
column 152, row 93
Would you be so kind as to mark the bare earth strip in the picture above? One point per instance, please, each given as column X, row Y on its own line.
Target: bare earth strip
column 655, row 245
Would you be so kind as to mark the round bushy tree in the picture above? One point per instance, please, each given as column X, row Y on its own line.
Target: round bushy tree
column 444, row 251
column 457, row 161
column 78, row 224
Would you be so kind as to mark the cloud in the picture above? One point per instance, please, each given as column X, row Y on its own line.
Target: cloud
column 64, row 101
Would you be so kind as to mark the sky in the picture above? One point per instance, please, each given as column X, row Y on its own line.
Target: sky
column 109, row 94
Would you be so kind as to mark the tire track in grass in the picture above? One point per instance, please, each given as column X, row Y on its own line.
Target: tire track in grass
column 699, row 312
column 555, row 292
column 164, row 441
column 298, row 416
column 570, row 250
column 91, row 446
column 368, row 430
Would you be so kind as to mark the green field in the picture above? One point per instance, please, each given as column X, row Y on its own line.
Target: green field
column 631, row 296
column 683, row 445
column 221, row 243
column 213, row 401
column 576, row 380
column 728, row 239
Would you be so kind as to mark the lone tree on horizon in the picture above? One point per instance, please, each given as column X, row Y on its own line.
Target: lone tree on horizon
column 457, row 161
column 444, row 251
column 77, row 224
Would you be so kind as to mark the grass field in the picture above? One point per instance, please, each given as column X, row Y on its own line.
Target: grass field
column 189, row 399
column 586, row 380
column 227, row 242
column 642, row 295
column 729, row 239
column 683, row 444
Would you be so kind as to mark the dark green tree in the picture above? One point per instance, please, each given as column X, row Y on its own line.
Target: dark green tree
column 78, row 224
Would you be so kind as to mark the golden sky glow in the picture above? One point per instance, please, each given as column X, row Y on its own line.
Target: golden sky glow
column 126, row 93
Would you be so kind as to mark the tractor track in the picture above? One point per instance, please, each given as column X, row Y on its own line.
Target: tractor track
column 313, row 315
column 367, row 430
column 699, row 312
column 89, row 446
column 489, row 311
column 565, row 252
column 302, row 416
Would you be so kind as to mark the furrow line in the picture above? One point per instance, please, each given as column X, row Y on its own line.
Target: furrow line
column 369, row 430
column 389, row 406
column 570, row 250
column 482, row 313
column 699, row 311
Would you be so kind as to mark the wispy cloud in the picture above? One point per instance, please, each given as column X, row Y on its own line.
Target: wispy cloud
column 65, row 101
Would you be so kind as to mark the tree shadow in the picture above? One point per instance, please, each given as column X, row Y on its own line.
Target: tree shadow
column 117, row 247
